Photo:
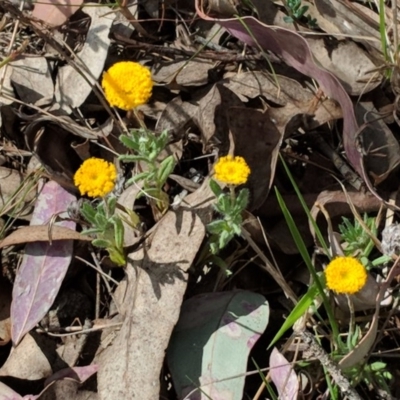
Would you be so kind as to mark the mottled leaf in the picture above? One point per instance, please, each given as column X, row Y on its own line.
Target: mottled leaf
column 210, row 345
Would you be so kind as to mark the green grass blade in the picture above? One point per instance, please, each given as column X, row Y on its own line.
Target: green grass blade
column 297, row 312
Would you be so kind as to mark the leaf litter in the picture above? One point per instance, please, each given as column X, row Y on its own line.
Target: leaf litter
column 305, row 81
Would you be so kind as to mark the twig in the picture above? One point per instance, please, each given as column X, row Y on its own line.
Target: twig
column 226, row 56
column 316, row 351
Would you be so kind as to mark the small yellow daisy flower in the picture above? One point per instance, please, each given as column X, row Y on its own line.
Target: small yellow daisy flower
column 232, row 170
column 345, row 275
column 95, row 177
column 127, row 85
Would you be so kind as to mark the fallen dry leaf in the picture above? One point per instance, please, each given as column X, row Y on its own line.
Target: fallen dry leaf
column 157, row 279
column 74, row 86
column 41, row 233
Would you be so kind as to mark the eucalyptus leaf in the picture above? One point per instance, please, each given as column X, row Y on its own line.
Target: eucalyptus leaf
column 209, row 348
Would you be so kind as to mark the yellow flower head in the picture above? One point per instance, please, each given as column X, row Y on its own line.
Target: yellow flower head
column 127, row 84
column 345, row 275
column 232, row 170
column 95, row 177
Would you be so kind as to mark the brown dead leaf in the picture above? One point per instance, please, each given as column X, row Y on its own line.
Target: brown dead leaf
column 351, row 21
column 185, row 73
column 349, row 63
column 157, row 279
column 257, row 140
column 176, row 115
column 11, row 195
column 297, row 101
column 55, row 12
column 32, row 80
column 381, row 148
column 212, row 115
column 40, row 233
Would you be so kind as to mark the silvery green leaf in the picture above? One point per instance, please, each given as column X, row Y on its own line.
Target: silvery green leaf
column 216, row 227
column 216, row 189
column 119, row 232
column 138, row 177
column 130, row 143
column 101, row 220
column 89, row 213
column 165, row 169
column 224, row 238
column 242, row 199
column 103, row 244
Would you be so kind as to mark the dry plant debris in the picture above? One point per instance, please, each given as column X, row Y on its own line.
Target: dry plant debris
column 192, row 196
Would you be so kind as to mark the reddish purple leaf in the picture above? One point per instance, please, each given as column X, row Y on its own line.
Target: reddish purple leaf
column 43, row 266
column 295, row 51
column 283, row 376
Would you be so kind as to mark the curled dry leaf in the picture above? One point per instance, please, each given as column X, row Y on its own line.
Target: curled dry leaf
column 41, row 233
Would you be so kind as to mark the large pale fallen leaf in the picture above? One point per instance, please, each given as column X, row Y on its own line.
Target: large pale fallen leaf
column 156, row 282
column 55, row 12
column 211, row 343
column 283, row 376
column 43, row 266
column 72, row 88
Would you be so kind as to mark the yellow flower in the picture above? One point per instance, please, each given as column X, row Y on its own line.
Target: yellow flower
column 127, row 84
column 345, row 275
column 95, row 177
column 232, row 170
